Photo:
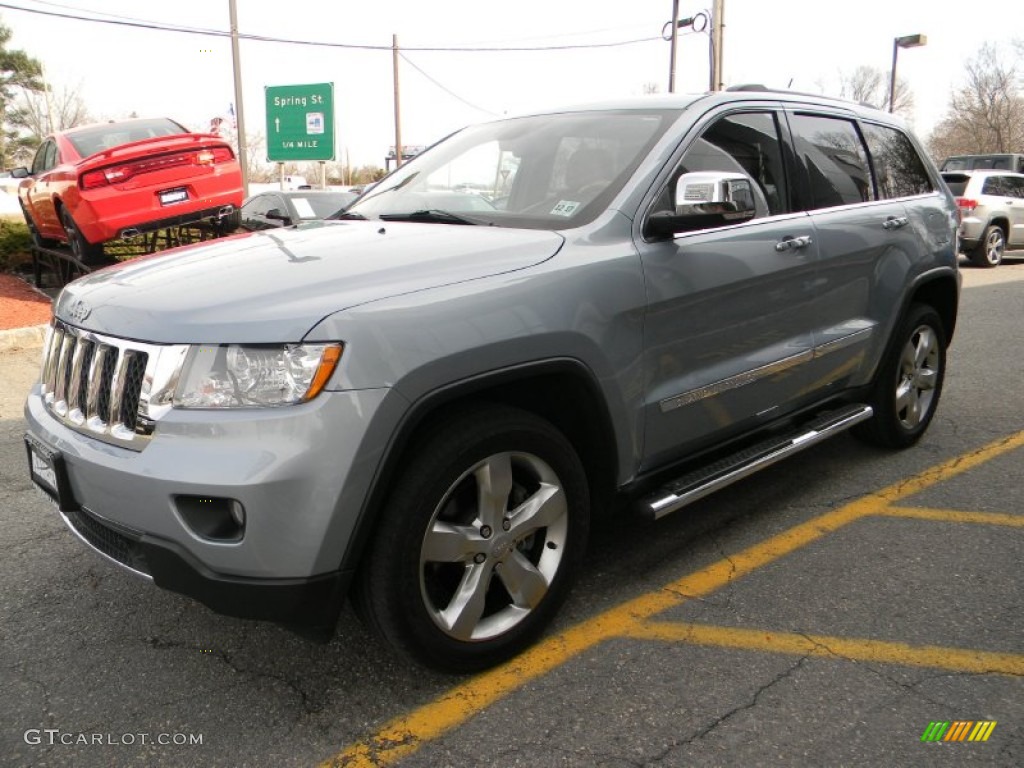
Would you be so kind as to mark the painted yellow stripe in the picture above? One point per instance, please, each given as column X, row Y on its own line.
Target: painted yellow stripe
column 978, row 730
column 406, row 733
column 954, row 516
column 988, row 731
column 949, row 469
column 853, row 649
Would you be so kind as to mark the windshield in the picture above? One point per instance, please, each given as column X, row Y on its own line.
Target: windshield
column 539, row 172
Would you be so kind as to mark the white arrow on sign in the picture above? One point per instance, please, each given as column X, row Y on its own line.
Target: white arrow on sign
column 277, row 125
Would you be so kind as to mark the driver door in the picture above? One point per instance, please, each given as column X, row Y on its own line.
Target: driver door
column 729, row 321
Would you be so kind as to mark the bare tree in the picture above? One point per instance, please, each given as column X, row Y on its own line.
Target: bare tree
column 869, row 85
column 987, row 113
column 42, row 112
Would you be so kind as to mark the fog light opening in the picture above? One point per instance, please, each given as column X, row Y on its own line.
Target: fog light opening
column 212, row 517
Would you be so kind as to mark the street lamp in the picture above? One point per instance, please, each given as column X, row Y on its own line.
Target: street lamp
column 907, row 41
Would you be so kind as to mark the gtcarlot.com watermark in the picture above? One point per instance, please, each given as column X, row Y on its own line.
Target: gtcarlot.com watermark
column 51, row 737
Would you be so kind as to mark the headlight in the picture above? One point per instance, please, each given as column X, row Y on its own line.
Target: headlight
column 240, row 376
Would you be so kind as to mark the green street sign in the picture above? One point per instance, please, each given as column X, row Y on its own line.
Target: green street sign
column 300, row 122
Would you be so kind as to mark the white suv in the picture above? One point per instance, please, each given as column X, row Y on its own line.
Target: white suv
column 992, row 210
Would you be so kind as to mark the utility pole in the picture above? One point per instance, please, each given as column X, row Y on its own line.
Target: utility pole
column 398, row 114
column 717, row 25
column 672, row 54
column 243, row 152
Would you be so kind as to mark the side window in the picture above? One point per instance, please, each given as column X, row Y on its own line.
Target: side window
column 746, row 143
column 995, row 185
column 44, row 154
column 899, row 169
column 836, row 161
column 1016, row 185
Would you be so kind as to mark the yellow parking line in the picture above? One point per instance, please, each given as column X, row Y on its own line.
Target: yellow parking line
column 954, row 516
column 406, row 733
column 851, row 649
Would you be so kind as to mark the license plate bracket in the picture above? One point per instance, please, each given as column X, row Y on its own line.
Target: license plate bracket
column 48, row 470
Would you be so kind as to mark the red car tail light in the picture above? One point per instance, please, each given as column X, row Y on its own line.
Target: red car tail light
column 966, row 203
column 214, row 155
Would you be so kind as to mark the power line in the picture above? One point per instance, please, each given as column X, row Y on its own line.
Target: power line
column 444, row 88
column 140, row 24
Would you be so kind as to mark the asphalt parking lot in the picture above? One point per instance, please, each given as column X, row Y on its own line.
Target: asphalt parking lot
column 828, row 611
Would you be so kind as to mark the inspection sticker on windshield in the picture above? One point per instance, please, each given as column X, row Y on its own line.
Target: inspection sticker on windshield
column 565, row 208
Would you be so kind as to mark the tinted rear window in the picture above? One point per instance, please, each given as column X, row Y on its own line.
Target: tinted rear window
column 899, row 170
column 957, row 182
column 96, row 138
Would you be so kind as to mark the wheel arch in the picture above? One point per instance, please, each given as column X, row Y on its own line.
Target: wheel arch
column 1000, row 221
column 562, row 391
column 941, row 290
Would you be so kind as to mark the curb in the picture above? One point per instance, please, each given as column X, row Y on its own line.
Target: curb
column 23, row 338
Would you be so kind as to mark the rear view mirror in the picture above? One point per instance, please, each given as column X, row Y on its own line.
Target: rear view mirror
column 706, row 199
column 274, row 214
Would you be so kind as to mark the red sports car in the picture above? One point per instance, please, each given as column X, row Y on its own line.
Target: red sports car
column 114, row 180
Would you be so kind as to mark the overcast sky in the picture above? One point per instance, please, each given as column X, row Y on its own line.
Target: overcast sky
column 804, row 44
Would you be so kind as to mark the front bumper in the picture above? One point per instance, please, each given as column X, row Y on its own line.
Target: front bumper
column 298, row 472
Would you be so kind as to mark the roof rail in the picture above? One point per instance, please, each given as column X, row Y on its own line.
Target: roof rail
column 758, row 87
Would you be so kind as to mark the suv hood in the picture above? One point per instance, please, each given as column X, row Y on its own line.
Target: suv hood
column 274, row 286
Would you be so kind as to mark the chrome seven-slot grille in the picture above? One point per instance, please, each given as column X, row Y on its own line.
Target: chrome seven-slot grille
column 102, row 386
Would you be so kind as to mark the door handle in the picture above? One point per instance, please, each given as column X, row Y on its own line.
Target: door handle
column 895, row 222
column 793, row 243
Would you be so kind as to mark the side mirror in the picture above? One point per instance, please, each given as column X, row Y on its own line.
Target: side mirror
column 21, row 172
column 706, row 199
column 274, row 214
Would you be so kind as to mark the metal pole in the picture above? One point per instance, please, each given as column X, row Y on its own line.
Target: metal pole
column 672, row 54
column 717, row 26
column 892, row 74
column 398, row 118
column 243, row 152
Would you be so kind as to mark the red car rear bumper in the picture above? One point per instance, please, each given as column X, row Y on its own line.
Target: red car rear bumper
column 104, row 214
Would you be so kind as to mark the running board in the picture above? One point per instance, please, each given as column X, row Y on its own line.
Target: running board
column 706, row 480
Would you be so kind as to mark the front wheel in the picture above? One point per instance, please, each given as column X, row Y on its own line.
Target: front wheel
column 908, row 385
column 989, row 252
column 478, row 544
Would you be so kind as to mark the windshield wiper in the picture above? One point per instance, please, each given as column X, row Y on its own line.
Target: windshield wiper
column 431, row 215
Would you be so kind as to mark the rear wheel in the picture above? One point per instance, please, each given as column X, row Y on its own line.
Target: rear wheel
column 909, row 383
column 228, row 224
column 989, row 252
column 81, row 249
column 479, row 541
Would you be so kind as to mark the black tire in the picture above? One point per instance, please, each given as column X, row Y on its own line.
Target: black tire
column 81, row 249
column 989, row 251
column 228, row 224
column 908, row 385
column 406, row 590
column 40, row 242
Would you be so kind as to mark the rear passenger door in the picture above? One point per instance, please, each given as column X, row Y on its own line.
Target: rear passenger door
column 867, row 226
column 1015, row 209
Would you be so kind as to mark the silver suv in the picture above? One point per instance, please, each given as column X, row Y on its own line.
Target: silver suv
column 992, row 213
column 611, row 308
